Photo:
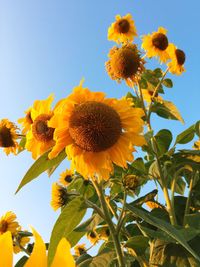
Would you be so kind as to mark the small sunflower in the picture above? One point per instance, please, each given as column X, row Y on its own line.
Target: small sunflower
column 80, row 250
column 154, row 205
column 197, row 145
column 96, row 132
column 93, row 237
column 104, row 233
column 147, row 95
column 122, row 30
column 66, row 177
column 40, row 137
column 156, row 45
column 59, row 196
column 22, row 242
column 8, row 223
column 125, row 63
column 26, row 121
column 177, row 56
column 8, row 136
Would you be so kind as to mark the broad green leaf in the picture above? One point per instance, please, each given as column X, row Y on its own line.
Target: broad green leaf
column 21, row 262
column 83, row 258
column 70, row 217
column 197, row 128
column 164, row 226
column 167, row 110
column 167, row 83
column 193, row 220
column 90, row 224
column 163, row 141
column 158, row 72
column 186, row 136
column 102, row 260
column 42, row 164
column 139, row 165
column 22, row 144
column 154, row 171
column 138, row 243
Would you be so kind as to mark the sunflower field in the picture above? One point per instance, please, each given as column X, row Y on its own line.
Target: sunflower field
column 114, row 153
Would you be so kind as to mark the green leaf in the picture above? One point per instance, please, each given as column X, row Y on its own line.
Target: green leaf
column 102, row 260
column 42, row 164
column 22, row 144
column 186, row 136
column 138, row 243
column 70, row 217
column 90, row 224
column 197, row 128
column 139, row 165
column 163, row 140
column 164, row 226
column 193, row 220
column 158, row 72
column 167, row 83
column 167, row 110
column 21, row 262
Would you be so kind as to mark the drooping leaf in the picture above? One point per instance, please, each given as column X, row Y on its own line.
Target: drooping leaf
column 42, row 164
column 186, row 136
column 21, row 262
column 70, row 217
column 167, row 83
column 163, row 141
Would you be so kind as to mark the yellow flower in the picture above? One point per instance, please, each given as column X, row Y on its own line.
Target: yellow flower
column 197, row 145
column 59, row 196
column 66, row 177
column 96, row 132
column 93, row 237
column 6, row 250
column 22, row 241
column 177, row 56
column 104, row 233
column 147, row 96
column 40, row 137
column 8, row 136
column 122, row 30
column 79, row 250
column 156, row 45
column 8, row 223
column 125, row 63
column 154, row 205
column 26, row 121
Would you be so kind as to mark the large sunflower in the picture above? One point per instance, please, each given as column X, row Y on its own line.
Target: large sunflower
column 96, row 132
column 40, row 137
column 177, row 56
column 122, row 30
column 8, row 136
column 156, row 44
column 8, row 223
column 125, row 63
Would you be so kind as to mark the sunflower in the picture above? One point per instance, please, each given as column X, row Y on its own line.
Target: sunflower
column 154, row 205
column 96, row 132
column 156, row 45
column 59, row 196
column 8, row 136
column 80, row 250
column 147, row 96
column 104, row 233
column 40, row 137
column 197, row 145
column 125, row 63
column 177, row 56
column 122, row 30
column 66, row 177
column 26, row 121
column 93, row 237
column 8, row 223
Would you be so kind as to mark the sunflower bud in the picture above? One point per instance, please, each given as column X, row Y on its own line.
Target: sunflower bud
column 131, row 181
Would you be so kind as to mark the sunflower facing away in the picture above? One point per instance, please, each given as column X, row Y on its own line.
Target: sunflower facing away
column 125, row 63
column 8, row 136
column 96, row 132
column 59, row 196
column 156, row 45
column 66, row 177
column 80, row 250
column 177, row 56
column 8, row 223
column 40, row 136
column 122, row 30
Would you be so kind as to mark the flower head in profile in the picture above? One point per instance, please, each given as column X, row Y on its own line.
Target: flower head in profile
column 40, row 137
column 156, row 44
column 8, row 136
column 122, row 30
column 96, row 132
column 66, row 177
column 59, row 197
column 125, row 63
column 80, row 250
column 8, row 223
column 177, row 56
column 26, row 121
column 93, row 237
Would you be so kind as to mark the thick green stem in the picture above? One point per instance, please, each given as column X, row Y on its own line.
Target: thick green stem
column 108, row 219
column 121, row 217
column 187, row 208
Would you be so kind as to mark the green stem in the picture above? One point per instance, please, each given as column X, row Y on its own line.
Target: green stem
column 121, row 216
column 187, row 208
column 108, row 219
column 95, row 207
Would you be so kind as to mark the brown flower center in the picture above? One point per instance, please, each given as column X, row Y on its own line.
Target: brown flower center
column 125, row 62
column 6, row 139
column 94, row 126
column 122, row 26
column 63, row 196
column 92, row 234
column 160, row 41
column 180, row 56
column 3, row 226
column 68, row 178
column 41, row 131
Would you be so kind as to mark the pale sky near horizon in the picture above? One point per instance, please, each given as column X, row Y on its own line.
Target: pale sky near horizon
column 49, row 46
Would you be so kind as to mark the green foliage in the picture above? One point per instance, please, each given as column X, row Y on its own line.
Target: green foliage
column 21, row 262
column 138, row 243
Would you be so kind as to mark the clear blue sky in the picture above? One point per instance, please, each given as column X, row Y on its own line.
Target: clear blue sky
column 48, row 46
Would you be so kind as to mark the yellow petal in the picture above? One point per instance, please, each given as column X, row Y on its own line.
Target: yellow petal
column 6, row 250
column 38, row 257
column 63, row 257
